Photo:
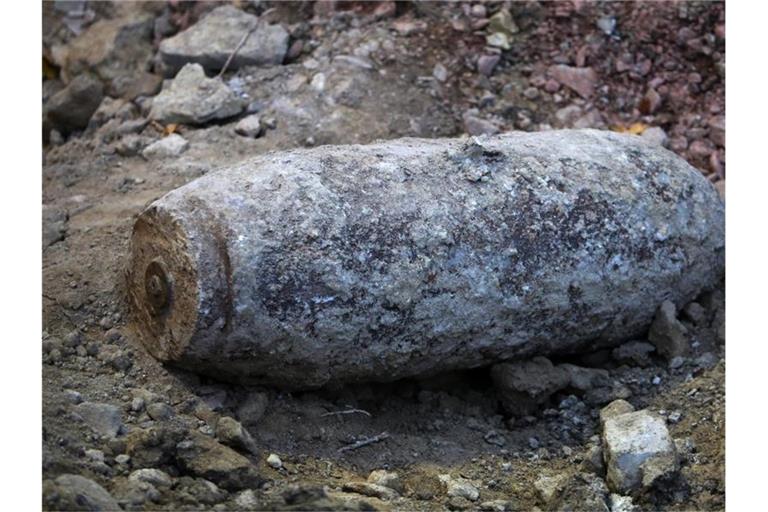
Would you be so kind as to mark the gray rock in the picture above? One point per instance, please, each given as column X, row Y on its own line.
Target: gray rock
column 667, row 333
column 496, row 248
column 105, row 419
column 440, row 72
column 387, row 479
column 152, row 476
column 232, row 433
column 524, row 386
column 607, row 24
column 159, row 411
column 249, row 126
column 459, row 487
column 638, row 451
column 372, row 490
column 171, row 146
column 201, row 456
column 655, row 135
column 54, row 225
column 71, row 108
column 76, row 492
column 211, row 41
column 487, row 63
column 696, row 313
column 192, row 98
column 634, row 353
column 132, row 494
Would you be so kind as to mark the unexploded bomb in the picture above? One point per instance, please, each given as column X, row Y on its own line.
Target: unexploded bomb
column 414, row 256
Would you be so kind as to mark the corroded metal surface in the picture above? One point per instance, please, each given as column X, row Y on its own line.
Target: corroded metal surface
column 415, row 256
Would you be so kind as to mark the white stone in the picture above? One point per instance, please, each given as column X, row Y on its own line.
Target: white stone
column 167, row 147
column 638, row 449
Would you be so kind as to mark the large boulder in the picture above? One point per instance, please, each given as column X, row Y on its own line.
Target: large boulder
column 212, row 40
column 192, row 98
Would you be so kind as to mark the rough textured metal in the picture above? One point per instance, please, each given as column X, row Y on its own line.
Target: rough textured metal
column 415, row 256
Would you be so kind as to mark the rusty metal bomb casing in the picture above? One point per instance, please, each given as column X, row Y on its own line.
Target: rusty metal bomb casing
column 414, row 256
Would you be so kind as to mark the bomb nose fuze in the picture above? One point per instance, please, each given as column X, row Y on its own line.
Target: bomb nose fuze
column 415, row 256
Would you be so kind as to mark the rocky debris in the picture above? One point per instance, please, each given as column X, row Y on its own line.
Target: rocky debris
column 212, row 40
column 637, row 353
column 233, row 434
column 247, row 500
column 667, row 333
column 593, row 460
column 621, row 503
column 249, row 126
column 202, row 456
column 581, row 80
column 475, row 125
column 200, row 490
column 54, row 225
column 159, row 411
column 251, row 410
column 110, row 109
column 638, row 450
column 500, row 506
column 192, row 98
column 71, row 108
column 75, row 492
column 386, row 478
column 152, row 476
column 132, row 494
column 155, row 446
column 116, row 50
column 274, row 461
column 581, row 491
column 408, row 27
column 459, row 487
column 168, row 147
column 372, row 490
column 104, row 419
column 526, row 385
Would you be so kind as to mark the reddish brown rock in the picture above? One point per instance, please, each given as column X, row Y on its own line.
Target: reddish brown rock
column 580, row 80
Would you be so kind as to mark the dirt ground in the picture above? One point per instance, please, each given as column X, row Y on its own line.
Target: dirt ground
column 94, row 185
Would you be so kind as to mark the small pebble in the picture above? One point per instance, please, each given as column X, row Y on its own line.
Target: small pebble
column 274, row 461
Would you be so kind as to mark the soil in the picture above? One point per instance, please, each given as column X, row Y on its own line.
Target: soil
column 454, row 423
